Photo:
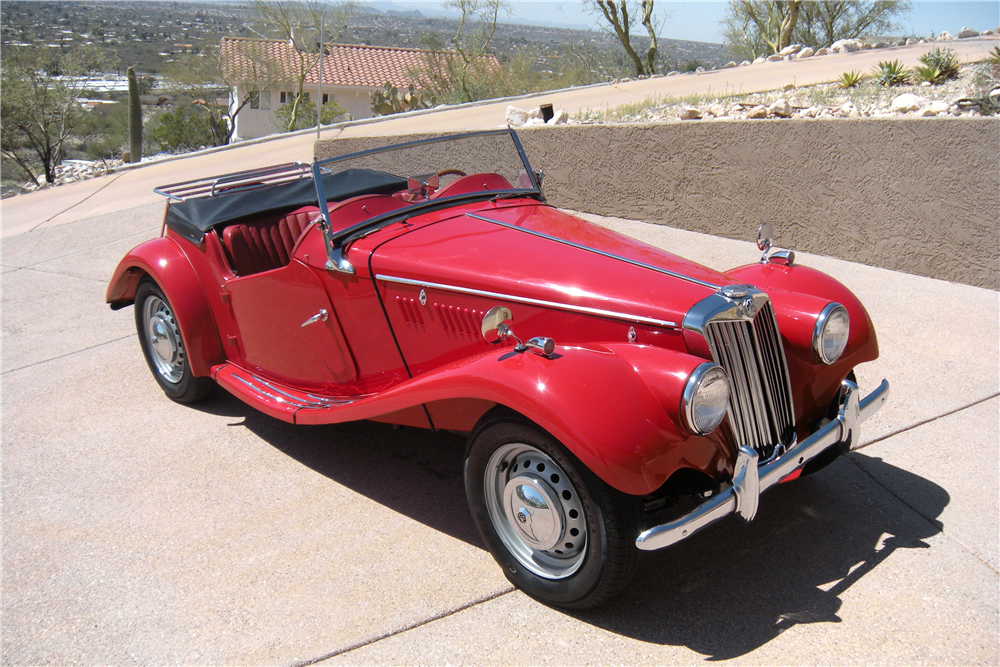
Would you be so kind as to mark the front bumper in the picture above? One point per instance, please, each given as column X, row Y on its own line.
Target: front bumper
column 750, row 479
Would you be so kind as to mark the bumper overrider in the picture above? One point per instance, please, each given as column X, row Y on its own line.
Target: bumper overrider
column 750, row 479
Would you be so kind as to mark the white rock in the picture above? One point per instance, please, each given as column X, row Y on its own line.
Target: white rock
column 906, row 102
column 867, row 47
column 626, row 80
column 925, row 84
column 673, row 73
column 822, row 52
column 965, row 33
column 926, row 113
column 937, row 106
column 717, row 110
column 699, row 70
column 987, row 32
column 846, row 46
column 689, row 113
column 900, row 43
column 729, row 65
column 536, row 113
column 516, row 117
column 775, row 58
column 781, row 108
column 790, row 49
column 757, row 112
column 882, row 45
column 745, row 63
column 759, row 60
column 560, row 117
column 944, row 36
column 911, row 41
column 806, row 52
column 531, row 122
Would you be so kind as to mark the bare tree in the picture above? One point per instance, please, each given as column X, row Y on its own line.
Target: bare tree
column 40, row 105
column 621, row 18
column 476, row 27
column 755, row 27
column 291, row 19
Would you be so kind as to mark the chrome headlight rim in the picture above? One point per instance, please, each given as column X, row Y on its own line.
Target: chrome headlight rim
column 819, row 332
column 695, row 382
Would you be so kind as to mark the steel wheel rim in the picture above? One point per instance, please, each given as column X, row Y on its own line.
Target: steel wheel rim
column 536, row 510
column 166, row 348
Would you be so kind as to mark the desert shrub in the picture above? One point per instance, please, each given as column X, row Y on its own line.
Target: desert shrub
column 183, row 129
column 937, row 66
column 890, row 73
column 306, row 118
column 851, row 79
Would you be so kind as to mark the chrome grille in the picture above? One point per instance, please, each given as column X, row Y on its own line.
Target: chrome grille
column 760, row 407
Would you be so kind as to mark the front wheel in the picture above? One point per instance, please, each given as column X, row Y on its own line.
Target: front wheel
column 163, row 346
column 560, row 534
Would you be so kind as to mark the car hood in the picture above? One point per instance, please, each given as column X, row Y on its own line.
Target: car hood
column 461, row 251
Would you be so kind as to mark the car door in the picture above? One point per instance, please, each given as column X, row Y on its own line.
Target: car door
column 288, row 329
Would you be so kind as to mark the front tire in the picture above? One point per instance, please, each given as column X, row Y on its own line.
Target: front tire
column 560, row 534
column 163, row 346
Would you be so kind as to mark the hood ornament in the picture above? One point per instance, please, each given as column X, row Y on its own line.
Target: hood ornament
column 772, row 254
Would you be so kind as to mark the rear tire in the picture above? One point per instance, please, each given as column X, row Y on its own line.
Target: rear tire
column 163, row 346
column 560, row 534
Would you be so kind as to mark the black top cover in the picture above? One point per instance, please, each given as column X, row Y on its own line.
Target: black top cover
column 194, row 217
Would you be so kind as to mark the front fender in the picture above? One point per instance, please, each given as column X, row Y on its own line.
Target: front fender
column 615, row 407
column 164, row 261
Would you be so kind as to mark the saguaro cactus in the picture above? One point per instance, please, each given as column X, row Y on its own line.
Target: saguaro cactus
column 134, row 118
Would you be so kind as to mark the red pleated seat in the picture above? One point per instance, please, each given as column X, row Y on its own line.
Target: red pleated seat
column 263, row 245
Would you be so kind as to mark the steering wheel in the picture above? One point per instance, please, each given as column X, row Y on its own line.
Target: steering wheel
column 451, row 172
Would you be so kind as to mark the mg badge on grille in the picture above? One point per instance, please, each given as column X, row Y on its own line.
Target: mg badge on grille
column 749, row 306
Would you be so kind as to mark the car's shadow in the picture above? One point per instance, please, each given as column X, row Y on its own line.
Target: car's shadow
column 722, row 593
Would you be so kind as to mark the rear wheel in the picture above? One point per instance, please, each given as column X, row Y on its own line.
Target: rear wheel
column 163, row 346
column 560, row 534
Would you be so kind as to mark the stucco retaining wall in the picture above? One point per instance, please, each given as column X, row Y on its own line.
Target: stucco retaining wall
column 914, row 195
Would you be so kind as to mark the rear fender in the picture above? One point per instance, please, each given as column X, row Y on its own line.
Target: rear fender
column 616, row 407
column 163, row 261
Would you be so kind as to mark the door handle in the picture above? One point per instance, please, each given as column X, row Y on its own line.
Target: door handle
column 321, row 316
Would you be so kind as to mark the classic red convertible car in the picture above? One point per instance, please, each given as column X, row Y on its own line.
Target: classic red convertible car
column 616, row 397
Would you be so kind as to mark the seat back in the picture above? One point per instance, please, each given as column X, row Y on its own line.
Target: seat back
column 262, row 245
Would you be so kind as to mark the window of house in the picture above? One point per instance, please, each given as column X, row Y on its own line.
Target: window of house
column 254, row 99
column 326, row 97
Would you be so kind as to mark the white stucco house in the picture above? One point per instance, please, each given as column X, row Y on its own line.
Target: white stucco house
column 350, row 73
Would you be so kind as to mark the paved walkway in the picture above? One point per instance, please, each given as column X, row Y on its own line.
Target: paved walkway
column 131, row 188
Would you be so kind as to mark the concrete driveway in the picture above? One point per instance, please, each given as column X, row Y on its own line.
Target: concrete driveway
column 139, row 531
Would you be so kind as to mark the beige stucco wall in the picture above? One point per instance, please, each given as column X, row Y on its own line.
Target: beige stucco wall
column 915, row 195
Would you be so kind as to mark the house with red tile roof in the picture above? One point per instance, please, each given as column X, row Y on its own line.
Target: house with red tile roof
column 350, row 73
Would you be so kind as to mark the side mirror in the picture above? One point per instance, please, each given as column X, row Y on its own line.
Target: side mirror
column 495, row 327
column 422, row 184
column 765, row 236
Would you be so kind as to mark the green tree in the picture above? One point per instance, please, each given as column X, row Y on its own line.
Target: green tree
column 182, row 129
column 756, row 27
column 306, row 117
column 38, row 111
column 300, row 22
column 621, row 18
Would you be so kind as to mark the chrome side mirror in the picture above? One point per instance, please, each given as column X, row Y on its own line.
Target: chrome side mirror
column 772, row 255
column 765, row 236
column 495, row 327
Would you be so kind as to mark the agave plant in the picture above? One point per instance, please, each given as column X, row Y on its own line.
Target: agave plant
column 937, row 66
column 389, row 100
column 994, row 57
column 851, row 79
column 890, row 73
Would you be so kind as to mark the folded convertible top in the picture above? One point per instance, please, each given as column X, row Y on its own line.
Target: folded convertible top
column 191, row 218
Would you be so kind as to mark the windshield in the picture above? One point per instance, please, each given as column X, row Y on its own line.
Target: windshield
column 464, row 166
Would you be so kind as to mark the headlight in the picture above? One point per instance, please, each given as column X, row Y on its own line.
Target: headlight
column 706, row 397
column 830, row 334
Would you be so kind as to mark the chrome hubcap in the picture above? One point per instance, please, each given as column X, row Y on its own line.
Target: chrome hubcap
column 536, row 511
column 164, row 338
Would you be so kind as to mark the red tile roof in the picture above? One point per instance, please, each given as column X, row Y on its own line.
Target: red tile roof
column 343, row 64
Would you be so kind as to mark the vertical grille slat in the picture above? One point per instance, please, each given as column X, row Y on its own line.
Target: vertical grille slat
column 760, row 407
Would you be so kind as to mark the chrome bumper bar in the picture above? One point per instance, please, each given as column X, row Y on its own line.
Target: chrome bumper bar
column 750, row 480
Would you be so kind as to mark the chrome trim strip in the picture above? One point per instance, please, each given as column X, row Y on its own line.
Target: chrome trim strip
column 534, row 302
column 279, row 399
column 578, row 246
column 740, row 496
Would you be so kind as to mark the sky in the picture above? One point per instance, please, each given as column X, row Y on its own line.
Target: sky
column 699, row 20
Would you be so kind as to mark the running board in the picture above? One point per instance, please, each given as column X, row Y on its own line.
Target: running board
column 272, row 398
